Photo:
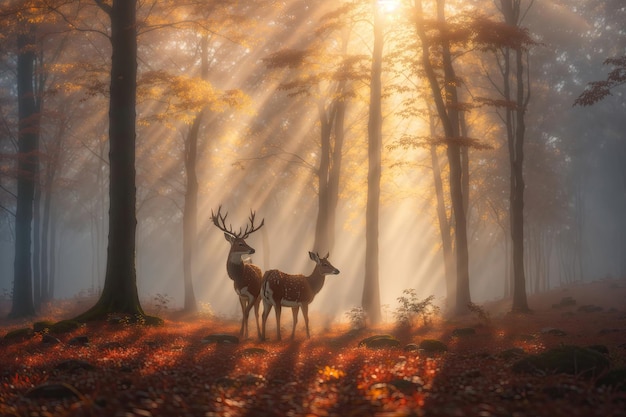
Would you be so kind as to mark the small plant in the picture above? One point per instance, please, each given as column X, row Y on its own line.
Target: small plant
column 161, row 302
column 480, row 312
column 205, row 310
column 411, row 307
column 357, row 318
column 6, row 295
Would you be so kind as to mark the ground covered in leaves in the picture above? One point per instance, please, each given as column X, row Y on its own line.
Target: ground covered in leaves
column 495, row 365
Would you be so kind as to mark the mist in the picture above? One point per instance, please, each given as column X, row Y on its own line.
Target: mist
column 264, row 154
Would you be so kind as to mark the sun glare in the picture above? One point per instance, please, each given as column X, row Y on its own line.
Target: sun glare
column 388, row 6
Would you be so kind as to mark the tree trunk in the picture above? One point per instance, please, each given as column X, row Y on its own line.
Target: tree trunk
column 321, row 226
column 516, row 128
column 371, row 290
column 28, row 133
column 119, row 294
column 444, row 222
column 447, row 110
column 37, row 284
column 53, row 254
column 190, row 213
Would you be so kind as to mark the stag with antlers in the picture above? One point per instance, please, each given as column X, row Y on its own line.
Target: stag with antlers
column 246, row 276
column 285, row 290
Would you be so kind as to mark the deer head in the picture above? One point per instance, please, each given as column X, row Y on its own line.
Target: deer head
column 238, row 245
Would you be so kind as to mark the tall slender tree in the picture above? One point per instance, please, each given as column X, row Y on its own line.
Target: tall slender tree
column 448, row 109
column 27, row 163
column 516, row 130
column 371, row 289
column 119, row 294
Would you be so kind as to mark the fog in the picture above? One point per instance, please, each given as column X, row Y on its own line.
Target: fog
column 264, row 157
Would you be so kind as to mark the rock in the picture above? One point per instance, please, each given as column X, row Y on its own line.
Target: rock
column 220, row 338
column 599, row 348
column 19, row 335
column 42, row 326
column 464, row 331
column 226, row 382
column 565, row 302
column 47, row 339
column 251, row 380
column 433, row 346
column 55, row 391
column 553, row 331
column 73, row 365
column 408, row 386
column 153, row 321
column 380, row 341
column 615, row 378
column 111, row 346
column 411, row 347
column 254, row 351
column 79, row 341
column 590, row 308
column 64, row 326
column 513, row 353
column 573, row 360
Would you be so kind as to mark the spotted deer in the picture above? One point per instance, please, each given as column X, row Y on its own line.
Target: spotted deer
column 246, row 276
column 284, row 290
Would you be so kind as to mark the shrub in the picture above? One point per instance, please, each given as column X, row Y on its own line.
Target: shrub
column 480, row 312
column 412, row 307
column 357, row 318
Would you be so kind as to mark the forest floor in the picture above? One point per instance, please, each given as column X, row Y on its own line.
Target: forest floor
column 124, row 370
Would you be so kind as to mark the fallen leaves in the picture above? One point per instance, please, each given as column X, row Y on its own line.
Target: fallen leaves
column 178, row 370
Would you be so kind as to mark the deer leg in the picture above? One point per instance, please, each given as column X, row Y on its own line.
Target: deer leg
column 267, row 307
column 305, row 313
column 294, row 311
column 257, row 302
column 244, row 318
column 278, row 308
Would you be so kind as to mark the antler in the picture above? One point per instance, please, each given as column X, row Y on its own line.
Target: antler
column 247, row 233
column 219, row 220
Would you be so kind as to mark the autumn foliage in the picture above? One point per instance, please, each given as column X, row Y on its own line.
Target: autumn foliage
column 598, row 90
column 198, row 369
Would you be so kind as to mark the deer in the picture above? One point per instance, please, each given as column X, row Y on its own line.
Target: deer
column 280, row 289
column 246, row 276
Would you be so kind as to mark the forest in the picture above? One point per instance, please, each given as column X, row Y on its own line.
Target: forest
column 155, row 153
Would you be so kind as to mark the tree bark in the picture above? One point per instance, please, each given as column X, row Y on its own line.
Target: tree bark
column 516, row 128
column 190, row 213
column 443, row 219
column 119, row 294
column 371, row 290
column 28, row 133
column 447, row 110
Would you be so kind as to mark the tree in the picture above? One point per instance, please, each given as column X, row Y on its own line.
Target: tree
column 446, row 101
column 119, row 294
column 371, row 288
column 510, row 45
column 27, row 163
column 325, row 78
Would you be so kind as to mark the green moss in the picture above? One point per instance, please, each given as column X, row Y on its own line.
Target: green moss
column 380, row 341
column 153, row 321
column 615, row 378
column 42, row 326
column 433, row 346
column 19, row 335
column 573, row 360
column 65, row 326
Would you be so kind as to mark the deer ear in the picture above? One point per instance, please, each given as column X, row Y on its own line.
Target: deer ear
column 229, row 238
column 314, row 257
